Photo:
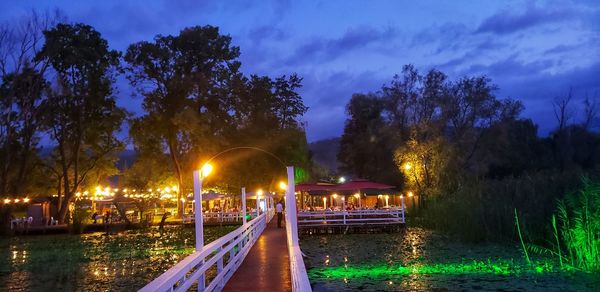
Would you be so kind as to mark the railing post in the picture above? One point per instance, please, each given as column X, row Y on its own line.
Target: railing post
column 199, row 224
column 402, row 200
column 290, row 198
column 244, row 204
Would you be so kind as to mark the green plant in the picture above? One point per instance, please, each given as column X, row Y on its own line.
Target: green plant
column 79, row 217
column 579, row 231
column 521, row 238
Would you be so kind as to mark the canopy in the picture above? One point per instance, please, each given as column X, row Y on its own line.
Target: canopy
column 361, row 184
column 214, row 196
column 354, row 185
column 310, row 187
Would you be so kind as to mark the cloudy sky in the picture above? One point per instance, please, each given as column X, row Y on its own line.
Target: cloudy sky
column 533, row 50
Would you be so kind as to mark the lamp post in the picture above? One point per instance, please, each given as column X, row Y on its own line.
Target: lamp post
column 199, row 176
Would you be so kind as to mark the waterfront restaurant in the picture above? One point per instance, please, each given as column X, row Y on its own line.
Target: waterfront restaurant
column 359, row 193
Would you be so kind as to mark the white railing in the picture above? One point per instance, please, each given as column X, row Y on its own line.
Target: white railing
column 351, row 217
column 298, row 273
column 193, row 268
column 300, row 282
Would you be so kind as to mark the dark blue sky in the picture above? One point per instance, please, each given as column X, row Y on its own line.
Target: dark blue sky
column 533, row 50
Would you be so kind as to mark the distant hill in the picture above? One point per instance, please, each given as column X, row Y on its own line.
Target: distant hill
column 324, row 153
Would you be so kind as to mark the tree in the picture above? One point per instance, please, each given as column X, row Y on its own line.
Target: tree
column 22, row 88
column 81, row 115
column 367, row 145
column 183, row 80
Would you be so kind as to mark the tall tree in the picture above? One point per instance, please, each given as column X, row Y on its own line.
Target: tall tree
column 184, row 81
column 366, row 147
column 22, row 88
column 81, row 114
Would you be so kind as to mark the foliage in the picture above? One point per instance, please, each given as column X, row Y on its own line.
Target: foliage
column 576, row 238
column 81, row 115
column 197, row 104
column 367, row 145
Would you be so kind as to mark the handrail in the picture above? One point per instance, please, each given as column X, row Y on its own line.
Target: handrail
column 300, row 282
column 193, row 268
column 395, row 215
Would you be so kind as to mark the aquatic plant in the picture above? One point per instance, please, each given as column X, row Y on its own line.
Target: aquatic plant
column 576, row 240
column 526, row 254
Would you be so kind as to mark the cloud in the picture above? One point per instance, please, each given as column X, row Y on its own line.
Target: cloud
column 327, row 96
column 266, row 32
column 446, row 33
column 506, row 21
column 326, row 49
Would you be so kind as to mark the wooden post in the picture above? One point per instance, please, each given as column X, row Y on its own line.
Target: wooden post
column 244, row 204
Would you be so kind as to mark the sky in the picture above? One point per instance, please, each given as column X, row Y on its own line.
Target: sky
column 534, row 51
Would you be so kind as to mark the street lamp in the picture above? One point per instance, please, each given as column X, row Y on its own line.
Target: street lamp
column 342, row 179
column 282, row 186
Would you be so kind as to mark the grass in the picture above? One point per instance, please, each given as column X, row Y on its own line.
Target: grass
column 576, row 234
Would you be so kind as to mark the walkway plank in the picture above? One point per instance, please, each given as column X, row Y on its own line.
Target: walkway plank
column 267, row 266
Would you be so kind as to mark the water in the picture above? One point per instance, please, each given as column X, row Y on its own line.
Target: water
column 95, row 262
column 421, row 260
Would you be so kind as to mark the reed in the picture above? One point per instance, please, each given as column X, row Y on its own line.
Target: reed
column 576, row 233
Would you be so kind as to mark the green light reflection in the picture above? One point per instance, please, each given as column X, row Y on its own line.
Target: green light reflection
column 476, row 267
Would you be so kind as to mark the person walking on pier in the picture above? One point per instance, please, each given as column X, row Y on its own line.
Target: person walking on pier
column 279, row 210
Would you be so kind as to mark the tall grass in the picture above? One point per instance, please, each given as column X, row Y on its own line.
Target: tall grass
column 483, row 210
column 576, row 233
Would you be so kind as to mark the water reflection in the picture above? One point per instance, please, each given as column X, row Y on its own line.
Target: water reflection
column 420, row 260
column 92, row 262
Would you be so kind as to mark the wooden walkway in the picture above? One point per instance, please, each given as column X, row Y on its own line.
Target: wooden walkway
column 267, row 265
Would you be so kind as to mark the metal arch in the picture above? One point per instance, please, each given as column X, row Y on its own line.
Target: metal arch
column 246, row 147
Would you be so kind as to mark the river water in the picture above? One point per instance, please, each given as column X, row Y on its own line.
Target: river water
column 95, row 262
column 421, row 260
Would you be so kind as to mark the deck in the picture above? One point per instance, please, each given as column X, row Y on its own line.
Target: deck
column 266, row 267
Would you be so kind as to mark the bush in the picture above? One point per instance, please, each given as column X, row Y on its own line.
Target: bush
column 80, row 215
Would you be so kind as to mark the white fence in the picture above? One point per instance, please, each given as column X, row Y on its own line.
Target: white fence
column 212, row 217
column 300, row 282
column 351, row 217
column 193, row 268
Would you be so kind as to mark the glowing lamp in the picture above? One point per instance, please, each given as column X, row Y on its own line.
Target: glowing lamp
column 206, row 170
column 410, row 194
column 282, row 185
column 407, row 166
